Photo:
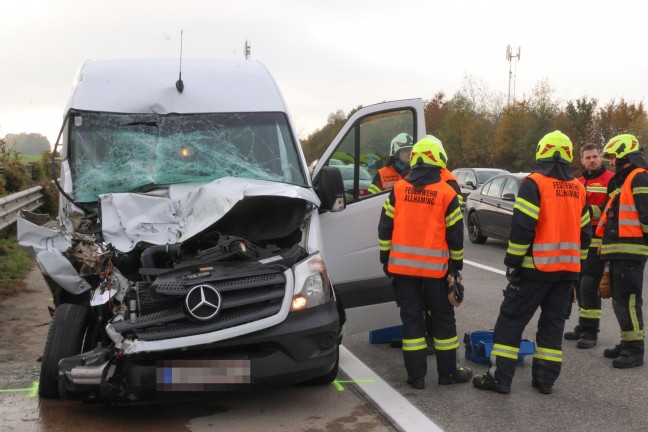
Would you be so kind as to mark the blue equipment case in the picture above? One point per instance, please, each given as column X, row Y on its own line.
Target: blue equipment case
column 479, row 345
column 386, row 335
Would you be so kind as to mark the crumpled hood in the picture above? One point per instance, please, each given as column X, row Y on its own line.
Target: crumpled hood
column 184, row 211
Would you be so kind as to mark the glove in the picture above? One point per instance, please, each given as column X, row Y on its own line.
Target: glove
column 386, row 271
column 605, row 290
column 513, row 275
column 455, row 289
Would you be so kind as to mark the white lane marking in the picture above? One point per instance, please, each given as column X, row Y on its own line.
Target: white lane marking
column 482, row 266
column 391, row 402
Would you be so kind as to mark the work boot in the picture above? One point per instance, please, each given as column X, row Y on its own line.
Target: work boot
column 544, row 389
column 487, row 382
column 613, row 352
column 627, row 360
column 462, row 375
column 573, row 335
column 586, row 342
column 417, row 383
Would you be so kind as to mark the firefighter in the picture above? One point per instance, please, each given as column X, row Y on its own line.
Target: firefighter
column 550, row 234
column 420, row 234
column 595, row 178
column 398, row 166
column 447, row 177
column 624, row 229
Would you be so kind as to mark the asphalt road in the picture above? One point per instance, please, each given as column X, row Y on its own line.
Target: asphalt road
column 590, row 395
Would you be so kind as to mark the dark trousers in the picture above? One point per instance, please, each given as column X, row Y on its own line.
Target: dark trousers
column 587, row 295
column 413, row 296
column 518, row 307
column 626, row 279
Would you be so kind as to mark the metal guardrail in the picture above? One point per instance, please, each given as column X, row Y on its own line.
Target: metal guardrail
column 29, row 199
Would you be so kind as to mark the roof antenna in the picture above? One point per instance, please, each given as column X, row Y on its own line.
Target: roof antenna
column 179, row 83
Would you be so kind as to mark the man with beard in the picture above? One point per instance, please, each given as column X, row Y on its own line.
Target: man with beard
column 595, row 178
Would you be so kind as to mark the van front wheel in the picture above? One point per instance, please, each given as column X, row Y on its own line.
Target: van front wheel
column 67, row 333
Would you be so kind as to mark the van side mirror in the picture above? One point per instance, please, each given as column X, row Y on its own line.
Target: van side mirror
column 471, row 184
column 508, row 196
column 329, row 187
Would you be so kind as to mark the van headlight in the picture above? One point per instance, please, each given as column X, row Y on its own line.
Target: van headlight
column 312, row 286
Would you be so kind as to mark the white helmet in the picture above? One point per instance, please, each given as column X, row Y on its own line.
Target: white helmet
column 400, row 141
column 435, row 139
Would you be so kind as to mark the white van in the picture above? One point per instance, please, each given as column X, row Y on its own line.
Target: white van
column 192, row 250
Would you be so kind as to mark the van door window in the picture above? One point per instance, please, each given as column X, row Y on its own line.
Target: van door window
column 366, row 148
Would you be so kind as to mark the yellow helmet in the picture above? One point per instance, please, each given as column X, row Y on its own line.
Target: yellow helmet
column 555, row 145
column 429, row 152
column 621, row 146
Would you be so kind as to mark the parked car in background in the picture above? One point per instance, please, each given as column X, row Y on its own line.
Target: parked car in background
column 488, row 210
column 470, row 179
column 364, row 181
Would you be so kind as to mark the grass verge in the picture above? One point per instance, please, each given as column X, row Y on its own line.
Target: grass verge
column 14, row 265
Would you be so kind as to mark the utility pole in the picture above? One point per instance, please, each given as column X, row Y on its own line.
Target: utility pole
column 246, row 50
column 512, row 72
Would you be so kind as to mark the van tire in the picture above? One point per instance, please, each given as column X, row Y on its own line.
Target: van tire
column 65, row 338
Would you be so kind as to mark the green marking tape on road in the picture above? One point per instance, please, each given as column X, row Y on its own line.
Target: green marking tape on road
column 338, row 383
column 31, row 391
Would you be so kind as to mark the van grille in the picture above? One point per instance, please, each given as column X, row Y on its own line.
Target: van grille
column 244, row 300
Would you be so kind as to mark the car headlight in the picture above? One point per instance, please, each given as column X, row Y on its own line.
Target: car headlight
column 312, row 286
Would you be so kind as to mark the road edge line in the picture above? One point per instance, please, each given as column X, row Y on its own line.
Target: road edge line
column 391, row 403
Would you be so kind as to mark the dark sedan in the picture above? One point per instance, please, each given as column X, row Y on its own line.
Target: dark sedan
column 489, row 209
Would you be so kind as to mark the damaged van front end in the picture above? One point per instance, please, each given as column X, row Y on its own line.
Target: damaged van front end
column 187, row 254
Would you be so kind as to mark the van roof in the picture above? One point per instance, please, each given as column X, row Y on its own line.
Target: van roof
column 149, row 86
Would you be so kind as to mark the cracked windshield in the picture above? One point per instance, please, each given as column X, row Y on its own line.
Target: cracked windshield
column 139, row 152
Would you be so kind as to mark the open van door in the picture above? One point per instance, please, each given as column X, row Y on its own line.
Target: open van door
column 350, row 237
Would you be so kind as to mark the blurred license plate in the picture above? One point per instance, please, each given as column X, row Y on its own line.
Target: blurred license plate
column 201, row 375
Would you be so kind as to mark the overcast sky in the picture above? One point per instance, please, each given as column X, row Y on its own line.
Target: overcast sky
column 332, row 54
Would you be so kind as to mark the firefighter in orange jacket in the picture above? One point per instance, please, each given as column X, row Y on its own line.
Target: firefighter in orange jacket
column 624, row 229
column 398, row 166
column 595, row 178
column 420, row 235
column 550, row 234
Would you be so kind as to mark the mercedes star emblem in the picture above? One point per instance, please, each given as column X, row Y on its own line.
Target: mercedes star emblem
column 203, row 302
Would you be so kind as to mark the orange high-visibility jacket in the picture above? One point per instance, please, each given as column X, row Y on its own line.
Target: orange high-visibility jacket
column 388, row 177
column 629, row 224
column 556, row 246
column 418, row 244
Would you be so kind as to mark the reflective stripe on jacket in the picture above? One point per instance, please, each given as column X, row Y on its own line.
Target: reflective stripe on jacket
column 418, row 245
column 556, row 246
column 624, row 234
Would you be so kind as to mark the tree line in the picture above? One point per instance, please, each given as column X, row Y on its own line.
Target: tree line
column 32, row 143
column 478, row 129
